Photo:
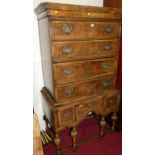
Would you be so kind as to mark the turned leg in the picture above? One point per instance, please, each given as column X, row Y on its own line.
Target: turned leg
column 114, row 120
column 102, row 125
column 74, row 138
column 57, row 142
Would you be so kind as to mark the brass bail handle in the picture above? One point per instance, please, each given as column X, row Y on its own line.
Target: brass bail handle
column 67, row 28
column 108, row 29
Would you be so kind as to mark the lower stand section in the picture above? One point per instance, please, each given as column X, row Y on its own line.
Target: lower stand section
column 75, row 112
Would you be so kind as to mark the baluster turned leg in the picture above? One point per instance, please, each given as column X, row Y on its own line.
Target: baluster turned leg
column 57, row 142
column 74, row 138
column 102, row 125
column 114, row 120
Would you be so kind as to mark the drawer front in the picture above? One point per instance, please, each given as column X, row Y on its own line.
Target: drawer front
column 87, row 106
column 66, row 115
column 73, row 71
column 78, row 50
column 64, row 30
column 79, row 89
column 111, row 103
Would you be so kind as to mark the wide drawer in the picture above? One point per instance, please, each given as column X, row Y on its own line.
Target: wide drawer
column 74, row 71
column 67, row 30
column 84, row 88
column 81, row 50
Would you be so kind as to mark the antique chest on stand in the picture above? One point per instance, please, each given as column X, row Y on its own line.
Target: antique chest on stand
column 79, row 52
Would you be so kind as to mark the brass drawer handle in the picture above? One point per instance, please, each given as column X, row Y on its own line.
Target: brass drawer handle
column 69, row 91
column 67, row 28
column 110, row 101
column 108, row 29
column 105, row 84
column 105, row 66
column 107, row 47
column 69, row 71
column 90, row 104
column 67, row 114
column 67, row 50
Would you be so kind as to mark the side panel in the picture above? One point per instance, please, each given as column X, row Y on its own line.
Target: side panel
column 46, row 62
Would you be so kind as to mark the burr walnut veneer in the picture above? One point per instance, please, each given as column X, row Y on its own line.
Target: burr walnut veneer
column 79, row 52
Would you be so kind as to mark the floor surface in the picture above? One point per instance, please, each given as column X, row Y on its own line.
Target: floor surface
column 110, row 144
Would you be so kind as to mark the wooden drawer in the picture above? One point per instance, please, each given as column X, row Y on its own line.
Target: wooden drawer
column 67, row 30
column 70, row 114
column 73, row 71
column 86, row 106
column 81, row 50
column 65, row 115
column 84, row 88
column 111, row 102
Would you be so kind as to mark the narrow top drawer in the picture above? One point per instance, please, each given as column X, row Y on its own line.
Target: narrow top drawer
column 66, row 30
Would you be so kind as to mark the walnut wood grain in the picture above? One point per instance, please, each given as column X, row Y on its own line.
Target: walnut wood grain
column 73, row 71
column 65, row 116
column 79, row 52
column 111, row 103
column 77, row 14
column 70, row 115
column 57, row 6
column 83, row 50
column 84, row 88
column 84, row 30
column 89, row 105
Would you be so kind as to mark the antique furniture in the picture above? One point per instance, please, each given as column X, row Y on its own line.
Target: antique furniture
column 79, row 51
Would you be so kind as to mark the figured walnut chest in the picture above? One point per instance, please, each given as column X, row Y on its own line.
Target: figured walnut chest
column 79, row 52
